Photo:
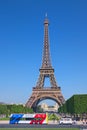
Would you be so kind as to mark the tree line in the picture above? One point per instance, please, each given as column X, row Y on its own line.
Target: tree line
column 8, row 109
column 77, row 104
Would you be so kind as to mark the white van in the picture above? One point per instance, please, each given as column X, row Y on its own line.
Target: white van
column 66, row 121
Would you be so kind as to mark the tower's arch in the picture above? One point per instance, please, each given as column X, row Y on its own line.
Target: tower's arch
column 44, row 97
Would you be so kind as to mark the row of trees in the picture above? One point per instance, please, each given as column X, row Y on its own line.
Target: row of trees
column 77, row 104
column 8, row 109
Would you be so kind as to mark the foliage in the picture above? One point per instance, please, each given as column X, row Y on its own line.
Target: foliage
column 53, row 117
column 3, row 109
column 80, row 103
column 77, row 104
column 39, row 109
column 8, row 109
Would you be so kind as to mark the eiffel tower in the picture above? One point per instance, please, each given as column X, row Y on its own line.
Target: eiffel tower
column 40, row 92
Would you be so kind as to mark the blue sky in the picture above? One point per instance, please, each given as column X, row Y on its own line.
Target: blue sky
column 21, row 46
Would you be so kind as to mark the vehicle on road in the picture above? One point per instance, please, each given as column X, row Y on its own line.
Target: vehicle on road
column 66, row 121
column 36, row 118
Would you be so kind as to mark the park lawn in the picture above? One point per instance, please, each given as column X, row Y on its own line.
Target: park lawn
column 39, row 129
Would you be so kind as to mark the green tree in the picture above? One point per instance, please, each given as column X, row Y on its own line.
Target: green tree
column 3, row 109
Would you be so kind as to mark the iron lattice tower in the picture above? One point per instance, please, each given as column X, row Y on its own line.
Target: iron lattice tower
column 40, row 92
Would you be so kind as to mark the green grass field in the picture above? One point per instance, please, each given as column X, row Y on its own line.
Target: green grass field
column 39, row 129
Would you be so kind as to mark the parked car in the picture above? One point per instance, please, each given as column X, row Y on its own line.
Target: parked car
column 66, row 121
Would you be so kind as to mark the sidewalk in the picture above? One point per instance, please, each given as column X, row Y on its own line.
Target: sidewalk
column 4, row 122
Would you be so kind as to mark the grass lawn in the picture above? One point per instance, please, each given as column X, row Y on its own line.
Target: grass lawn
column 39, row 129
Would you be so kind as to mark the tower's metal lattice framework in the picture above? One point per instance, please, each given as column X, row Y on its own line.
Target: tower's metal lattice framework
column 41, row 92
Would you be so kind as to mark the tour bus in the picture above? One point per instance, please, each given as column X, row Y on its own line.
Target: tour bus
column 36, row 118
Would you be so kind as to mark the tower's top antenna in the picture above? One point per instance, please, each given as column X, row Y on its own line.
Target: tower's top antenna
column 46, row 15
column 46, row 19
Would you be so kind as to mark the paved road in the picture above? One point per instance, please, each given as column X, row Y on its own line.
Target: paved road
column 42, row 126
